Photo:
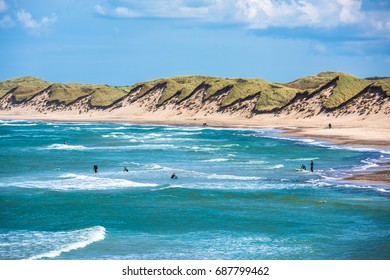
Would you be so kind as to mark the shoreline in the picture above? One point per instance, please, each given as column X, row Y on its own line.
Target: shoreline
column 345, row 132
column 358, row 134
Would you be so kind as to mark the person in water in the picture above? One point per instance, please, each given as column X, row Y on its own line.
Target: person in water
column 125, row 169
column 303, row 167
column 95, row 168
column 173, row 176
column 312, row 166
column 65, row 143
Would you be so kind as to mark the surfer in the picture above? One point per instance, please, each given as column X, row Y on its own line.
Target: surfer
column 173, row 176
column 303, row 167
column 312, row 166
column 125, row 169
column 65, row 143
column 95, row 168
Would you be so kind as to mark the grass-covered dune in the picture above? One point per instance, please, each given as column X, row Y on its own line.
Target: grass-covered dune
column 270, row 96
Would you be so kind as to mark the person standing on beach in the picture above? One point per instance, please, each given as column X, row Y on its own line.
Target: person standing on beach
column 312, row 166
column 95, row 168
column 330, row 125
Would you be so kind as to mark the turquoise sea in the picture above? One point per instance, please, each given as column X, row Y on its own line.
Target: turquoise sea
column 237, row 195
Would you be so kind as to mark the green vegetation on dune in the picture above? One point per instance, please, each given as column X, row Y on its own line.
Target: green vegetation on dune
column 216, row 85
column 271, row 95
column 347, row 87
column 312, row 83
column 68, row 93
column 27, row 87
column 145, row 87
column 26, row 92
column 106, row 95
column 242, row 89
column 188, row 84
column 183, row 84
column 275, row 96
column 384, row 84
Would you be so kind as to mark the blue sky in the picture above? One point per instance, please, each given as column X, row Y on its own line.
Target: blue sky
column 121, row 42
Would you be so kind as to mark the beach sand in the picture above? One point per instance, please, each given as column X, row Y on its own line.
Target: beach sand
column 380, row 177
column 351, row 130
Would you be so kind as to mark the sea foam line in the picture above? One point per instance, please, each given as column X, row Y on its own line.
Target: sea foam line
column 71, row 181
column 204, row 175
column 65, row 147
column 81, row 238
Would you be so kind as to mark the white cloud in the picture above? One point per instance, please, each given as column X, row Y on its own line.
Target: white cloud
column 100, row 9
column 6, row 22
column 255, row 14
column 320, row 13
column 159, row 9
column 350, row 11
column 124, row 12
column 32, row 25
column 3, row 6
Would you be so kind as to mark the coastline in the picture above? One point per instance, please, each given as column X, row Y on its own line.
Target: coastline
column 347, row 131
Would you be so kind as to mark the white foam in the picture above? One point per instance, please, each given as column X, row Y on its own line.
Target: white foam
column 201, row 149
column 72, row 128
column 232, row 177
column 301, row 159
column 71, row 181
column 192, row 173
column 65, row 147
column 277, row 166
column 114, row 135
column 215, row 160
column 366, row 187
column 368, row 163
column 77, row 239
column 33, row 245
column 18, row 124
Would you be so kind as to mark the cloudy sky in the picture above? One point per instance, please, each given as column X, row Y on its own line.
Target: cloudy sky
column 121, row 42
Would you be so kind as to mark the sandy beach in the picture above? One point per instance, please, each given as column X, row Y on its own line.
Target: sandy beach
column 348, row 130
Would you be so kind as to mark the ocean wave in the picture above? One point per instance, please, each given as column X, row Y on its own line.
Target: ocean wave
column 115, row 135
column 301, row 159
column 18, row 124
column 215, row 160
column 256, row 162
column 231, row 177
column 368, row 163
column 71, row 181
column 73, row 128
column 65, row 147
column 336, row 183
column 221, row 244
column 76, row 240
column 34, row 245
column 184, row 128
column 276, row 166
column 365, row 187
column 201, row 149
column 192, row 173
column 321, row 143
